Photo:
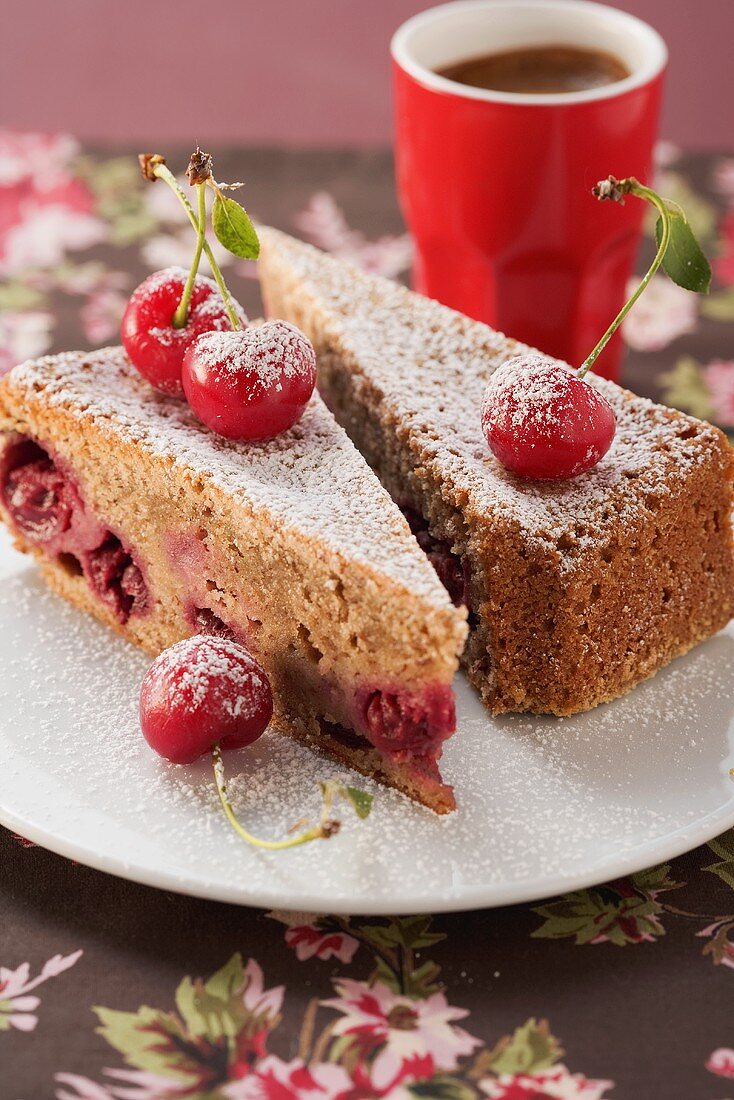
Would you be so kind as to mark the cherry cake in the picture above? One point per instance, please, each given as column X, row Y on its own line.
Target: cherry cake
column 142, row 516
column 576, row 590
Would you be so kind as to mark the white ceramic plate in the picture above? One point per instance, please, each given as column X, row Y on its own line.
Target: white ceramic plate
column 545, row 805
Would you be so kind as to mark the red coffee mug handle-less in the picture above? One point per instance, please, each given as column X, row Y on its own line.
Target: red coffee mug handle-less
column 496, row 187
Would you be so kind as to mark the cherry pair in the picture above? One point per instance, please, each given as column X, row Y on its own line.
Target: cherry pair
column 250, row 384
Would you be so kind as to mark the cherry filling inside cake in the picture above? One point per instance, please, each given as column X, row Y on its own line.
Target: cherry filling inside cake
column 452, row 569
column 403, row 726
column 46, row 507
column 206, row 587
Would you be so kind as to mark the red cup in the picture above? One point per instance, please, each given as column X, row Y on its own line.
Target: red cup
column 496, row 187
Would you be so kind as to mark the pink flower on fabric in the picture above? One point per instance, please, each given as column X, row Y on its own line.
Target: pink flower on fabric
column 44, row 227
column 17, row 1009
column 307, row 937
column 400, row 1029
column 724, row 177
column 721, row 1062
column 258, row 1000
column 274, row 1079
column 549, row 1084
column 324, row 224
column 663, row 313
column 101, row 315
column 134, row 1084
column 719, row 377
column 666, row 153
column 44, row 210
column 308, row 941
column 23, row 336
column 26, row 156
column 724, row 264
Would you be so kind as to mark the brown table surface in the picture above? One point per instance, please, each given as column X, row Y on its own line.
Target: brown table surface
column 625, row 990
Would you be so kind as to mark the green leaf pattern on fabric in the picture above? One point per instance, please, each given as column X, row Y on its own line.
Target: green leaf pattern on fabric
column 723, row 847
column 622, row 912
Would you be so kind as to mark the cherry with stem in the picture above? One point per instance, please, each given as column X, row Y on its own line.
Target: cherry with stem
column 154, row 167
column 207, row 694
column 541, row 419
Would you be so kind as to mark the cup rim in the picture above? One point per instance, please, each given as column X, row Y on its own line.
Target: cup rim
column 401, row 53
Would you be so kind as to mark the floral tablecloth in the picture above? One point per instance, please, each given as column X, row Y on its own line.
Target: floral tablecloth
column 113, row 990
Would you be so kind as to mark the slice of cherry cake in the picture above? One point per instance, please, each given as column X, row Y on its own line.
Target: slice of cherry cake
column 162, row 529
column 577, row 590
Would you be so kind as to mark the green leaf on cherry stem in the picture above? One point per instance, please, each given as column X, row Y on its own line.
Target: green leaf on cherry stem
column 234, row 229
column 684, row 261
column 360, row 801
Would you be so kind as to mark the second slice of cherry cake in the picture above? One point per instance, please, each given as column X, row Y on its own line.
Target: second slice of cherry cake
column 140, row 515
column 577, row 589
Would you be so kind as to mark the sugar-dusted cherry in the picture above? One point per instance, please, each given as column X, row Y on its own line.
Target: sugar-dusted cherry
column 202, row 692
column 154, row 343
column 540, row 418
column 542, row 421
column 252, row 384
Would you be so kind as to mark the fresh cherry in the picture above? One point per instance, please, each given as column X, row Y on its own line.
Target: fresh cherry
column 201, row 692
column 252, row 384
column 152, row 341
column 542, row 421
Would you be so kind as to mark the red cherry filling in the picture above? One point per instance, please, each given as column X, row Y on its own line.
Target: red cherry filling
column 202, row 691
column 542, row 421
column 403, row 725
column 116, row 579
column 39, row 499
column 252, row 384
column 452, row 570
column 150, row 339
column 46, row 507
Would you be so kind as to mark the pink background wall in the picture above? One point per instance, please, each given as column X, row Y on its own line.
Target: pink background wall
column 303, row 72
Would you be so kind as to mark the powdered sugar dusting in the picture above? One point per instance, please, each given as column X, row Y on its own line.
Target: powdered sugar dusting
column 310, row 477
column 555, row 803
column 201, row 668
column 527, row 386
column 265, row 354
column 430, row 366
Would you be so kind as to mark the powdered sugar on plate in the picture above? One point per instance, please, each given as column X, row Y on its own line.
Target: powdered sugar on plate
column 545, row 805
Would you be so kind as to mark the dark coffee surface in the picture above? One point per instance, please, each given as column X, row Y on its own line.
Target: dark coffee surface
column 539, row 70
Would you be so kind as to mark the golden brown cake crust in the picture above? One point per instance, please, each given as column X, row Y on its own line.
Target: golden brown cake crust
column 220, row 529
column 578, row 590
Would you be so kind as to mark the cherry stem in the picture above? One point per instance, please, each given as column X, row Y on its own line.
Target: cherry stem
column 616, row 191
column 162, row 172
column 182, row 311
column 325, row 828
